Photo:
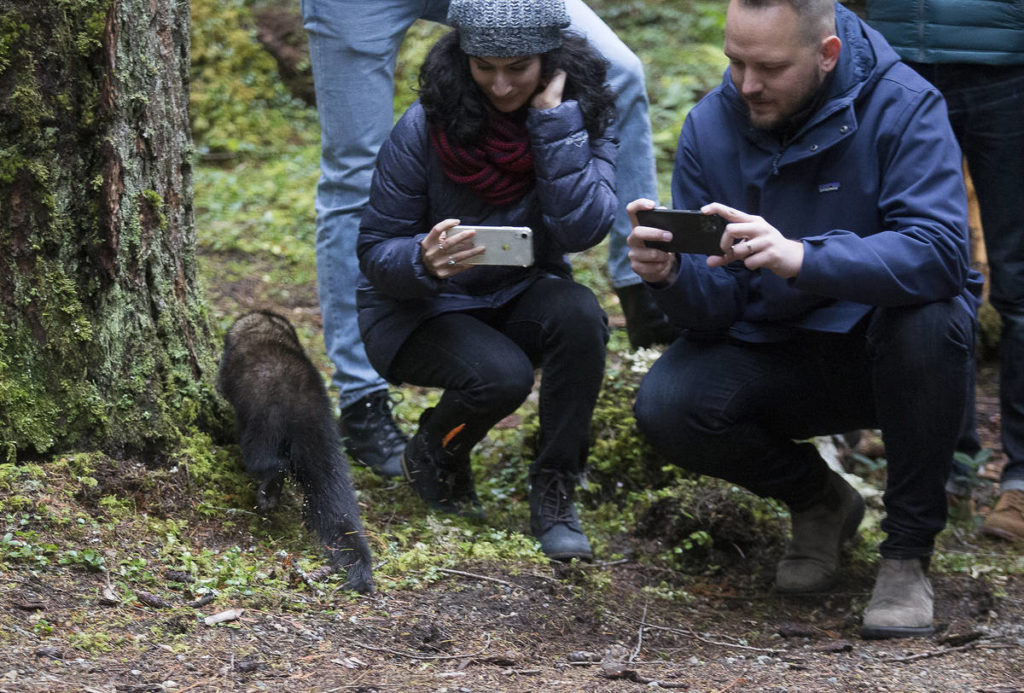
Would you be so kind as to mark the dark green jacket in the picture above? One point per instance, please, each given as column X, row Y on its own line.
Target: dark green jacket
column 989, row 32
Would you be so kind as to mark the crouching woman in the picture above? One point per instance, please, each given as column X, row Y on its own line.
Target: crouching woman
column 512, row 128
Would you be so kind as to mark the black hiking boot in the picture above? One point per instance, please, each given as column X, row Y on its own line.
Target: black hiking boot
column 444, row 481
column 553, row 517
column 646, row 323
column 371, row 436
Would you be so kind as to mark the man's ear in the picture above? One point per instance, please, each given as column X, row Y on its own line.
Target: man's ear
column 828, row 52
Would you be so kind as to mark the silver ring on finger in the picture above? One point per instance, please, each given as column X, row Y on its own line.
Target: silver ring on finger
column 440, row 247
column 450, row 260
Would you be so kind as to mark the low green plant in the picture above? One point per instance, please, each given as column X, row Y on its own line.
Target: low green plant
column 91, row 560
column 18, row 547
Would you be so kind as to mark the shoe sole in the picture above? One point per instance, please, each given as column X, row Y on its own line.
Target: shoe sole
column 884, row 632
column 566, row 557
column 846, row 536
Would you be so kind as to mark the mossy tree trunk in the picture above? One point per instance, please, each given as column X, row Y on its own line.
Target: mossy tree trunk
column 104, row 339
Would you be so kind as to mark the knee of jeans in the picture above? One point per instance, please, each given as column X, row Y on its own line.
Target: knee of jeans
column 665, row 421
column 507, row 388
column 581, row 321
column 917, row 330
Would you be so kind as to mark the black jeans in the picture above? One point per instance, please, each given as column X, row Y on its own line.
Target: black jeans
column 735, row 410
column 986, row 110
column 485, row 359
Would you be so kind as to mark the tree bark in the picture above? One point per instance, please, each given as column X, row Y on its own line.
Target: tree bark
column 104, row 339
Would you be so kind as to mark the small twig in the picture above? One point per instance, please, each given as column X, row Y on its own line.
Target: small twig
column 620, row 672
column 949, row 650
column 411, row 655
column 640, row 635
column 475, row 576
column 693, row 634
column 231, row 511
column 607, row 564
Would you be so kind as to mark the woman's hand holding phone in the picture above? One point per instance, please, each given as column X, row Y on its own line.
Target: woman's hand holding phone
column 442, row 254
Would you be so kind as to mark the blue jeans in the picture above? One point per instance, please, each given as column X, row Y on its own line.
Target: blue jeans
column 986, row 110
column 353, row 47
column 484, row 361
column 734, row 410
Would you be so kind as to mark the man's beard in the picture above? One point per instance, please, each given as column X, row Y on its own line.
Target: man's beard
column 786, row 125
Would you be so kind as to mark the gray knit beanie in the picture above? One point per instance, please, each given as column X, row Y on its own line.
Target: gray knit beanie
column 507, row 28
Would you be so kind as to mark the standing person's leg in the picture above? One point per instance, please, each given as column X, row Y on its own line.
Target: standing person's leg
column 353, row 47
column 920, row 357
column 993, row 142
column 635, row 172
column 947, row 78
column 561, row 327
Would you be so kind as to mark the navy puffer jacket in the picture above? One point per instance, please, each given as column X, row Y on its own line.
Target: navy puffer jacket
column 570, row 208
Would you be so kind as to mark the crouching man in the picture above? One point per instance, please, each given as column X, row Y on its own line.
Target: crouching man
column 843, row 300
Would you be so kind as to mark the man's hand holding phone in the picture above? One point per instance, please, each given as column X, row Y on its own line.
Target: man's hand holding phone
column 756, row 243
column 651, row 264
column 745, row 238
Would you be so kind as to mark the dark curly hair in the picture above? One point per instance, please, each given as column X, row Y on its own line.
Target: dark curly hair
column 453, row 101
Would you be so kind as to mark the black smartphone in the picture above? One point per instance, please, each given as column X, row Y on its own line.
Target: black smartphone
column 692, row 230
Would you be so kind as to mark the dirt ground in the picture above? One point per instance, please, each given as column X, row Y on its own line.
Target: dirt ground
column 501, row 627
column 485, row 629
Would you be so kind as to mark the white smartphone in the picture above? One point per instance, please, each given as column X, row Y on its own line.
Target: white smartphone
column 505, row 245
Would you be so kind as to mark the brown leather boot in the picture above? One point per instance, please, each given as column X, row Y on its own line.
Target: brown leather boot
column 1006, row 521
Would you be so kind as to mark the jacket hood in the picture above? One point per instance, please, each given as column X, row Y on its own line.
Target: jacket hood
column 865, row 56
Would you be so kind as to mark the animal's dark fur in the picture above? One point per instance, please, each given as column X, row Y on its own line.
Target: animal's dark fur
column 285, row 425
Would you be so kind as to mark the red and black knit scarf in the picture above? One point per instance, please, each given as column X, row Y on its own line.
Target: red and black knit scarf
column 499, row 169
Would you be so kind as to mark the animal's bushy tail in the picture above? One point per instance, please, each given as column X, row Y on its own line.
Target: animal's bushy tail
column 331, row 509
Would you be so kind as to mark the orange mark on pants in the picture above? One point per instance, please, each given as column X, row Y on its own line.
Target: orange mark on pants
column 451, row 434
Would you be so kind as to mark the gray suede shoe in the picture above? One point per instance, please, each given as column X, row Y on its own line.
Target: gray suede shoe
column 811, row 561
column 902, row 601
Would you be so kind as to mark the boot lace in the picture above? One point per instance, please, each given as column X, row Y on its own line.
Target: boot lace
column 379, row 416
column 556, row 503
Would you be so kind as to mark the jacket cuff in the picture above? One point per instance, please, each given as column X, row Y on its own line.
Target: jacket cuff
column 556, row 123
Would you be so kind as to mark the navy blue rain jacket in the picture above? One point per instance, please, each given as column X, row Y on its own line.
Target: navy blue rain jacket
column 570, row 208
column 872, row 184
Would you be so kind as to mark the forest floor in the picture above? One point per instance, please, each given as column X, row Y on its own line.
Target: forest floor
column 482, row 625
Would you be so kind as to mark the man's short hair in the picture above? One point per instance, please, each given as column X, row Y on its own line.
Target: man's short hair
column 817, row 17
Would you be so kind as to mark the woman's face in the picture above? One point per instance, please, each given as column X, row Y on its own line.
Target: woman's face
column 509, row 83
